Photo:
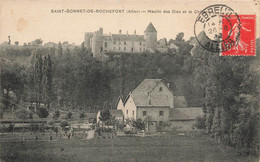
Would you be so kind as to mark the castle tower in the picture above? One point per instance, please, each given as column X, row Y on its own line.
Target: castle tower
column 97, row 43
column 87, row 38
column 150, row 36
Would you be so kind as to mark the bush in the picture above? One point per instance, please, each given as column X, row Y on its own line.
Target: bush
column 1, row 113
column 42, row 112
column 200, row 122
column 30, row 115
column 139, row 124
column 82, row 115
column 42, row 128
column 99, row 130
column 63, row 125
column 34, row 127
column 22, row 114
column 56, row 114
column 69, row 115
column 11, row 127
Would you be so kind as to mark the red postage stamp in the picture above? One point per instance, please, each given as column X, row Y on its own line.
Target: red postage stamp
column 242, row 33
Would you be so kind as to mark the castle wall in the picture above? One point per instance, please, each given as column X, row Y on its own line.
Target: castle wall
column 124, row 46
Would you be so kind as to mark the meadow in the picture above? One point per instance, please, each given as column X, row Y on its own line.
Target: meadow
column 155, row 148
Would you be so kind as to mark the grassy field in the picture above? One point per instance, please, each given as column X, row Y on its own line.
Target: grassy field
column 160, row 148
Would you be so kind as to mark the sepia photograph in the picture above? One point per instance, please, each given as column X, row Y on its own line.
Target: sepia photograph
column 129, row 81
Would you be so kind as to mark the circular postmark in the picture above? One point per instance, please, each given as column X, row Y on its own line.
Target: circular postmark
column 214, row 28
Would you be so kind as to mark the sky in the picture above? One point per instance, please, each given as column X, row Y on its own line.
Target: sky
column 27, row 20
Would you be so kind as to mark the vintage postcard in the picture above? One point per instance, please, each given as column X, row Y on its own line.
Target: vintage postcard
column 121, row 80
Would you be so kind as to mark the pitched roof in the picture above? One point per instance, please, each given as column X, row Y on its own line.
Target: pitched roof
column 150, row 28
column 116, row 113
column 180, row 102
column 118, row 100
column 140, row 94
column 126, row 37
column 185, row 113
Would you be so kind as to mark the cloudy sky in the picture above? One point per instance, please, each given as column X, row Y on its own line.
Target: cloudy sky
column 27, row 20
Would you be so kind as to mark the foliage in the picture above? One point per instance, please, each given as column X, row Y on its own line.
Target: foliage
column 200, row 122
column 10, row 127
column 1, row 113
column 230, row 105
column 34, row 127
column 99, row 130
column 42, row 112
column 105, row 115
column 22, row 114
column 30, row 114
column 56, row 114
column 69, row 115
column 82, row 115
column 139, row 124
column 55, row 129
column 179, row 37
column 64, row 124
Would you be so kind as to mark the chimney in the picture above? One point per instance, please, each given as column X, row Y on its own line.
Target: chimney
column 135, row 32
column 168, row 85
column 119, row 31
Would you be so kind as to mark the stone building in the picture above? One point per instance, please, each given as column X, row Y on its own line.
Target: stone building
column 153, row 101
column 100, row 43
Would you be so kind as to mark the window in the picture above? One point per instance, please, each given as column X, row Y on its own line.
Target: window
column 114, row 48
column 160, row 89
column 119, row 48
column 149, row 102
column 105, row 44
column 161, row 113
column 114, row 42
column 140, row 43
column 140, row 49
column 133, row 113
column 119, row 42
column 124, row 42
column 132, row 49
column 144, row 113
column 124, row 48
column 127, row 112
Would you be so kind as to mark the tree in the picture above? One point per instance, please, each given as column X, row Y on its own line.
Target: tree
column 230, row 105
column 42, row 112
column 38, row 79
column 179, row 37
column 12, row 85
column 49, row 78
column 38, row 41
column 56, row 114
column 105, row 115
